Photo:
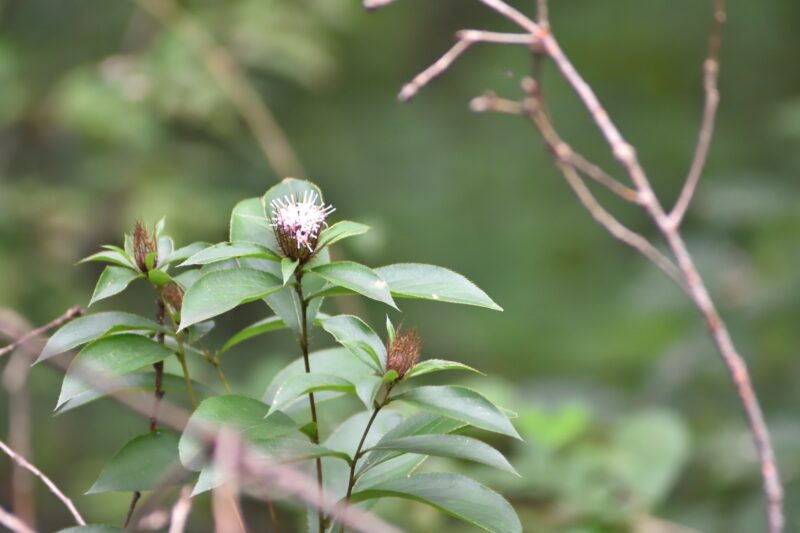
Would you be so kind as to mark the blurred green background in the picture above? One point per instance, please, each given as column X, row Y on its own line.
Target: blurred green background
column 630, row 421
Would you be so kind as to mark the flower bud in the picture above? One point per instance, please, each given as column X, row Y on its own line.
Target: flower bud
column 143, row 245
column 403, row 352
column 298, row 224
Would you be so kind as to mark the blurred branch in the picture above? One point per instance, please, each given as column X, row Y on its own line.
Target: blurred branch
column 71, row 313
column 46, row 480
column 13, row 523
column 180, row 512
column 543, row 43
column 233, row 81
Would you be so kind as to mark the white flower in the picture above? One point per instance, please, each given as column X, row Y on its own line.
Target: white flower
column 298, row 224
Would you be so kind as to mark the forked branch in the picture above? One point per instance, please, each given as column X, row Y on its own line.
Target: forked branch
column 681, row 266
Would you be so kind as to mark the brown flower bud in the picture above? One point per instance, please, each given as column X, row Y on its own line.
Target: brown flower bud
column 173, row 295
column 403, row 352
column 143, row 245
column 298, row 223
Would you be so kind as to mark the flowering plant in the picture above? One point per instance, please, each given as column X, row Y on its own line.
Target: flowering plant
column 278, row 253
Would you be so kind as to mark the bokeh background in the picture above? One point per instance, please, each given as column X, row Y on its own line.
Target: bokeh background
column 629, row 420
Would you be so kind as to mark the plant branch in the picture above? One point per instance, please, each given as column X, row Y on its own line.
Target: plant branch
column 233, row 81
column 21, row 461
column 72, row 312
column 13, row 522
column 710, row 81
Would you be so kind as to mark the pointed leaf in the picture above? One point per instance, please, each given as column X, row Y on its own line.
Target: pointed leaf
column 340, row 230
column 146, row 462
column 89, row 327
column 221, row 291
column 437, row 365
column 110, row 256
column 355, row 335
column 453, row 494
column 462, row 404
column 287, row 268
column 231, row 250
column 272, row 323
column 357, row 278
column 112, row 281
column 297, row 386
column 414, row 280
column 454, row 446
column 109, row 358
column 185, row 252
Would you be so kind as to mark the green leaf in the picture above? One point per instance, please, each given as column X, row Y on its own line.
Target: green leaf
column 231, row 250
column 437, row 365
column 428, row 282
column 454, row 494
column 355, row 335
column 357, row 278
column 390, row 331
column 240, row 412
column 297, row 386
column 143, row 382
column 462, row 404
column 272, row 323
column 418, row 424
column 112, row 281
column 249, row 224
column 289, row 449
column 287, row 268
column 165, row 247
column 146, row 462
column 454, row 446
column 334, row 361
column 157, row 277
column 221, row 291
column 367, row 388
column 89, row 327
column 185, row 252
column 109, row 358
column 340, row 230
column 111, row 256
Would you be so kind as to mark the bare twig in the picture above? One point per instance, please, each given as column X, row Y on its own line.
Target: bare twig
column 710, row 80
column 13, row 523
column 21, row 461
column 543, row 42
column 180, row 512
column 233, row 81
column 71, row 313
column 225, row 496
column 465, row 39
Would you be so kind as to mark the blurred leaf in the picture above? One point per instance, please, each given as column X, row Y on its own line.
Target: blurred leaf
column 413, row 280
column 555, row 429
column 146, row 462
column 287, row 268
column 266, row 325
column 453, row 446
column 339, row 231
column 355, row 335
column 453, row 494
column 357, row 278
column 297, row 386
column 110, row 256
column 462, row 404
column 109, row 358
column 185, row 252
column 86, row 328
column 437, row 365
column 112, row 281
column 221, row 291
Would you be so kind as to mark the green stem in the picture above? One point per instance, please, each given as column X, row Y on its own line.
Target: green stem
column 182, row 358
column 214, row 361
column 352, row 479
column 303, row 340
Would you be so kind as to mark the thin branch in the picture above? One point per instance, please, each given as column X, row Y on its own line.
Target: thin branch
column 513, row 15
column 21, row 461
column 180, row 512
column 71, row 313
column 225, row 496
column 710, row 87
column 465, row 39
column 542, row 13
column 131, row 509
column 13, row 522
column 233, row 81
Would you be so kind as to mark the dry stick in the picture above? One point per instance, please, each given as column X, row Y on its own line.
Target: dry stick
column 71, row 313
column 710, row 81
column 21, row 461
column 13, row 523
column 233, row 81
column 625, row 154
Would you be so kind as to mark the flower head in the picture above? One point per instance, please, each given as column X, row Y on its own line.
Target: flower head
column 403, row 352
column 143, row 245
column 298, row 224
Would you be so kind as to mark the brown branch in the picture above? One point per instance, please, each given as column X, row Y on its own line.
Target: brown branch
column 13, row 523
column 21, row 461
column 667, row 225
column 233, row 81
column 71, row 313
column 710, row 82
